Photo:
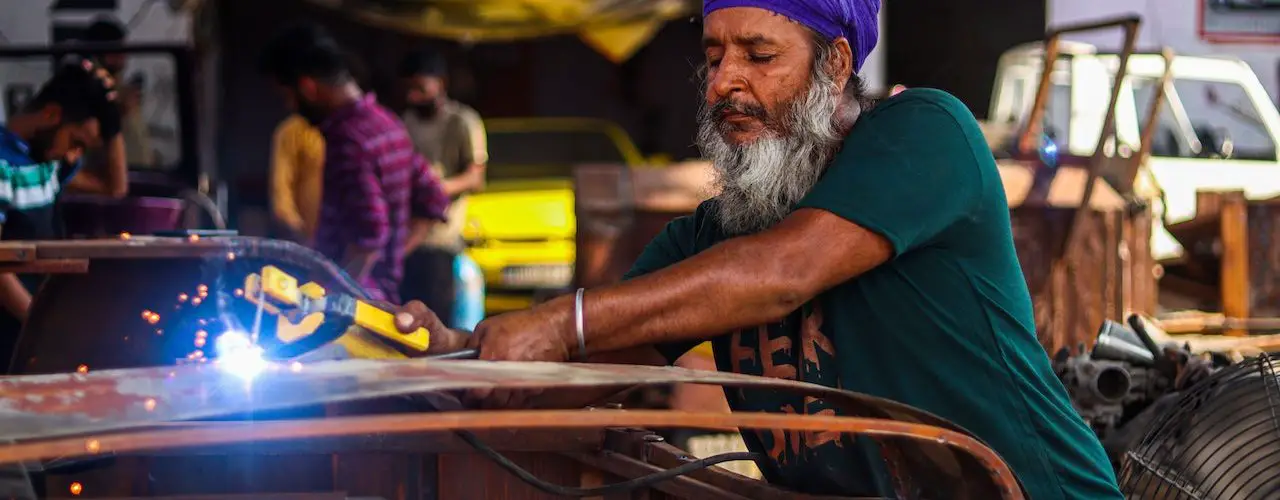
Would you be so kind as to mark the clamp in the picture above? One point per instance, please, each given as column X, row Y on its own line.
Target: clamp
column 307, row 307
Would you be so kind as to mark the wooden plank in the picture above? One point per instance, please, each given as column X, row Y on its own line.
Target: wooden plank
column 136, row 247
column 51, row 266
column 1235, row 257
column 17, row 251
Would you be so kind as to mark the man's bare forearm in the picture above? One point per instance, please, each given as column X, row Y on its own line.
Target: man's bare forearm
column 727, row 287
column 466, row 182
column 419, row 230
column 743, row 282
column 14, row 297
column 108, row 177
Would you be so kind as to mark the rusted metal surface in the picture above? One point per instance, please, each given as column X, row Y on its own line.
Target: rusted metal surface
column 1109, row 272
column 1264, row 257
column 1000, row 475
column 505, row 440
column 40, row 406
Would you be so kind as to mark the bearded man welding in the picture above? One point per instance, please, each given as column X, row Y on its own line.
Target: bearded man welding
column 854, row 244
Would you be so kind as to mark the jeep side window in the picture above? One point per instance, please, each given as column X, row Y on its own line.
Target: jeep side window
column 1057, row 114
column 1225, row 121
column 1206, row 119
column 1171, row 139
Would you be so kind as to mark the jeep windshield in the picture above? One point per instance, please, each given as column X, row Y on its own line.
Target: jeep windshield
column 520, row 150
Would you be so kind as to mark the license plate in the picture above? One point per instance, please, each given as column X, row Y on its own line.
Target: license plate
column 537, row 276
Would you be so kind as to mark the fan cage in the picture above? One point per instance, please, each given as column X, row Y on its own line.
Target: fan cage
column 1220, row 441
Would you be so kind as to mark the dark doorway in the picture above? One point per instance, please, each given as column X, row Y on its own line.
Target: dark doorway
column 955, row 45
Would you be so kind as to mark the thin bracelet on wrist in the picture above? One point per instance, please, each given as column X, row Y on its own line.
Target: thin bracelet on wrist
column 579, row 326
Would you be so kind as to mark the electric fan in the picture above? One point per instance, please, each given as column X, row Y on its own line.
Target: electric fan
column 1220, row 441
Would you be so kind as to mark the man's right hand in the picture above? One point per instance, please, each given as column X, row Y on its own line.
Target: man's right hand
column 475, row 177
column 414, row 315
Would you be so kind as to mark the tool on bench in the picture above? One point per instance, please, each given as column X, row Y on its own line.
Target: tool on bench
column 316, row 317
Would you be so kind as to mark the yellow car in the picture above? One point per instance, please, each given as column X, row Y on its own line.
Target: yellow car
column 520, row 230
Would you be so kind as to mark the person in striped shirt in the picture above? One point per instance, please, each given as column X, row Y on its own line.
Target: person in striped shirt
column 376, row 189
column 40, row 151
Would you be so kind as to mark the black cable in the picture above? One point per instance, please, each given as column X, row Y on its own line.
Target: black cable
column 608, row 489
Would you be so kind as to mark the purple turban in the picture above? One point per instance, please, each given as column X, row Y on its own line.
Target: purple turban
column 852, row 19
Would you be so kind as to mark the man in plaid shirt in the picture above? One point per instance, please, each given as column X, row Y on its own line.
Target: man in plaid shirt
column 379, row 196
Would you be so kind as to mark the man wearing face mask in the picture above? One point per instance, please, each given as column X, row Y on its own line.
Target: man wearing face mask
column 452, row 136
column 40, row 151
column 378, row 195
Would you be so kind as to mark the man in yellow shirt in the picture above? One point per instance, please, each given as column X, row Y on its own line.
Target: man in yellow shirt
column 297, row 168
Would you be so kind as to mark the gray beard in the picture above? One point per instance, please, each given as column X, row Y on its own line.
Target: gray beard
column 761, row 182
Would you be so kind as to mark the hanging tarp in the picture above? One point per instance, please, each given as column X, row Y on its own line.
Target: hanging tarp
column 615, row 28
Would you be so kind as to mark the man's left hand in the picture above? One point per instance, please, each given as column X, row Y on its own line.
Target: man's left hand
column 530, row 335
column 537, row 334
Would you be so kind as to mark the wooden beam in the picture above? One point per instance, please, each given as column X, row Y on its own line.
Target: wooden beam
column 51, row 266
column 1235, row 258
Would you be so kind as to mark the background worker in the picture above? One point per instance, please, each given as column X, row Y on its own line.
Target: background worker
column 40, row 151
column 378, row 195
column 297, row 170
column 451, row 135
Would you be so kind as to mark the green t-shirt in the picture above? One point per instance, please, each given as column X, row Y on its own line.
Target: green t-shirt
column 946, row 325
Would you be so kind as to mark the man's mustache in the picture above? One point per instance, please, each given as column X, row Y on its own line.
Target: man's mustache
column 722, row 108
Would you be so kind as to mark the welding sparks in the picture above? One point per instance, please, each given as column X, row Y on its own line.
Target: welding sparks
column 238, row 355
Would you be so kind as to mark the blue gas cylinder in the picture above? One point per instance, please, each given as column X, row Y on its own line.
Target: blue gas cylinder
column 468, row 303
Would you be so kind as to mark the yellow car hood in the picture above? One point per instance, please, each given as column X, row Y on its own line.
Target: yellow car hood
column 527, row 210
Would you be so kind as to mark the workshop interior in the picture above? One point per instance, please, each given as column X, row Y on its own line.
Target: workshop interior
column 190, row 333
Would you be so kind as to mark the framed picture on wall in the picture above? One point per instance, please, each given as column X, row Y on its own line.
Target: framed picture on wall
column 1239, row 21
